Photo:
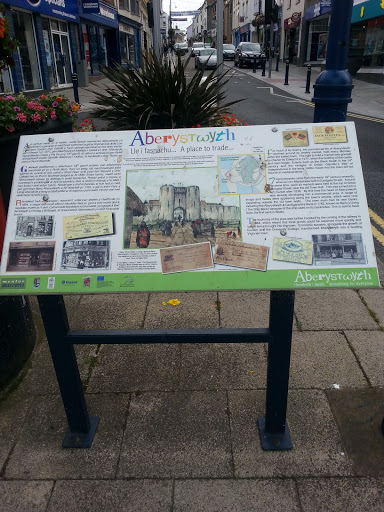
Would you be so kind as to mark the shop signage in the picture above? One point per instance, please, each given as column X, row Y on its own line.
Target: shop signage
column 296, row 17
column 106, row 16
column 367, row 10
column 244, row 29
column 293, row 21
column 91, row 6
column 318, row 9
column 64, row 9
column 129, row 30
column 179, row 19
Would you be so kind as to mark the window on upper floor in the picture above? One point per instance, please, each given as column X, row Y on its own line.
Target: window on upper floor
column 124, row 4
column 135, row 7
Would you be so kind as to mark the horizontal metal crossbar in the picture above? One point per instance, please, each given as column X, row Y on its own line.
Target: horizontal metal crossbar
column 169, row 336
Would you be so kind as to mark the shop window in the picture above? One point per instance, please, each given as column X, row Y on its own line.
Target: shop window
column 24, row 33
column 6, row 84
column 103, row 47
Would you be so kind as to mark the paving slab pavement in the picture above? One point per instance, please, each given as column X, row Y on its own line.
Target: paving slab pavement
column 178, row 423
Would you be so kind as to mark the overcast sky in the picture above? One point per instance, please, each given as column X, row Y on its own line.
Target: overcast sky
column 182, row 5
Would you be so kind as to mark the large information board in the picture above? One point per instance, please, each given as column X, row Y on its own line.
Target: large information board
column 258, row 207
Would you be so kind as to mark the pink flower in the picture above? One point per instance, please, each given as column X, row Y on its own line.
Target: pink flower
column 70, row 114
column 17, row 109
column 54, row 104
column 10, row 98
column 53, row 116
column 35, row 117
column 10, row 128
column 40, row 107
column 21, row 117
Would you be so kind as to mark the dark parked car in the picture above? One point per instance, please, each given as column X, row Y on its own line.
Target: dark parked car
column 246, row 53
column 228, row 51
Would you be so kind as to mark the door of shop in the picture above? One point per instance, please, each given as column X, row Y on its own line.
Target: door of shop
column 62, row 55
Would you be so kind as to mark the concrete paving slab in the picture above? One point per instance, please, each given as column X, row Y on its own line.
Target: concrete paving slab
column 13, row 411
column 332, row 310
column 236, row 496
column 341, row 495
column 115, row 311
column 115, row 496
column 223, row 366
column 177, row 435
column 317, row 447
column 369, row 349
column 375, row 301
column 41, row 377
column 38, row 453
column 196, row 310
column 244, row 309
column 18, row 496
column 359, row 415
column 123, row 368
column 322, row 359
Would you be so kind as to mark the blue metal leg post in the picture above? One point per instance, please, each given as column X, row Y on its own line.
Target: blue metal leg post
column 82, row 428
column 333, row 86
column 273, row 428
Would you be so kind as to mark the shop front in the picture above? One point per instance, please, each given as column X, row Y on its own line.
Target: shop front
column 366, row 50
column 100, row 37
column 46, row 31
column 317, row 17
column 245, row 32
column 129, row 41
column 292, row 37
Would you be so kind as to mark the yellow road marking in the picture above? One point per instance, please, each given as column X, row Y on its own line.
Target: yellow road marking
column 376, row 233
column 379, row 221
column 350, row 114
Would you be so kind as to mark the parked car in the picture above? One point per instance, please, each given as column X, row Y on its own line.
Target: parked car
column 180, row 49
column 246, row 53
column 207, row 57
column 196, row 47
column 229, row 52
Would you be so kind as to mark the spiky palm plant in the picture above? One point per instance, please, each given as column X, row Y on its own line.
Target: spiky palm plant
column 153, row 97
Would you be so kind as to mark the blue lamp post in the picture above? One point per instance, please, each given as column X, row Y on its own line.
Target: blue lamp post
column 333, row 87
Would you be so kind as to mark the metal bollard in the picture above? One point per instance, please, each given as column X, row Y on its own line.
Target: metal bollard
column 75, row 87
column 254, row 65
column 308, row 79
column 263, row 61
column 286, row 72
column 277, row 63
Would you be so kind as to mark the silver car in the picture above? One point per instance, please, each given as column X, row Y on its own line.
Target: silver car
column 229, row 51
column 207, row 57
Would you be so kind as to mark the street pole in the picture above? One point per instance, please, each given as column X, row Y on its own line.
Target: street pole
column 156, row 29
column 270, row 49
column 333, row 86
column 219, row 36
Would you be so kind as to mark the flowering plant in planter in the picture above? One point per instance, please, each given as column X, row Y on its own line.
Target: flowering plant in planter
column 7, row 44
column 20, row 112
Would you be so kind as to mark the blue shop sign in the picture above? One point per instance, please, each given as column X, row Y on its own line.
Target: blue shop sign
column 106, row 16
column 366, row 10
column 64, row 9
column 318, row 9
column 91, row 6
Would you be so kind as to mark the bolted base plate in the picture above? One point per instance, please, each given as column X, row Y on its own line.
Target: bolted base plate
column 274, row 441
column 81, row 440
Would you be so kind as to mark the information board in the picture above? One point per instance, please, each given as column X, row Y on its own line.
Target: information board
column 258, row 207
